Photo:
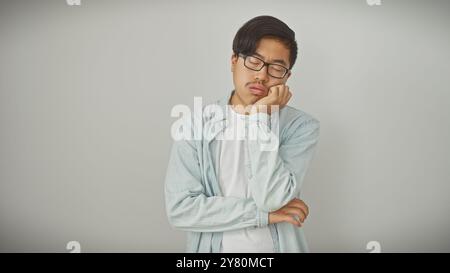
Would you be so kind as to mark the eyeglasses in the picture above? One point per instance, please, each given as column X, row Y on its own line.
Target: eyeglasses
column 256, row 64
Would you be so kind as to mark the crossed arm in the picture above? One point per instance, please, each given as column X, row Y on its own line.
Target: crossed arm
column 275, row 185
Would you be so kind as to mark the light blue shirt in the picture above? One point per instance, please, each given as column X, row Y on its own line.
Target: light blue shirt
column 195, row 203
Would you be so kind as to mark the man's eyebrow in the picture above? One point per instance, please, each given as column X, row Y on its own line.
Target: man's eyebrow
column 281, row 61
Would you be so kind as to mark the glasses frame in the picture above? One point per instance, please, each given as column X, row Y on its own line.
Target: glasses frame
column 264, row 64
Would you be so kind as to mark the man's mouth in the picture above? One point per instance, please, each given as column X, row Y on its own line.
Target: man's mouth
column 257, row 89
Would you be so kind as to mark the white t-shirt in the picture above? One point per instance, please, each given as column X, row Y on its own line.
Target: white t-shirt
column 234, row 182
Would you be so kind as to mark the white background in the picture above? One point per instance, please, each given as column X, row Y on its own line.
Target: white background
column 86, row 93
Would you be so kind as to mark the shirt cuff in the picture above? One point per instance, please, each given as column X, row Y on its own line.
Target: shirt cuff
column 262, row 218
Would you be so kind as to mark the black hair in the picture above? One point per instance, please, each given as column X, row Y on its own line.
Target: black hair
column 248, row 36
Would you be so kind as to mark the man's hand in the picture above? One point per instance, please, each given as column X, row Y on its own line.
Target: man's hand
column 296, row 208
column 278, row 95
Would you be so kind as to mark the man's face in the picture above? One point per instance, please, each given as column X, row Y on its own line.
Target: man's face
column 245, row 80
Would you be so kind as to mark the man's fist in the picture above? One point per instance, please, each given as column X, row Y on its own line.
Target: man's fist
column 294, row 212
column 278, row 95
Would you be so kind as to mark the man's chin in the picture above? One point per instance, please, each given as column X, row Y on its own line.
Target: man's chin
column 251, row 98
column 258, row 96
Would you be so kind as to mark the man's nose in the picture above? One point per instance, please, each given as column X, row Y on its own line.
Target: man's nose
column 262, row 74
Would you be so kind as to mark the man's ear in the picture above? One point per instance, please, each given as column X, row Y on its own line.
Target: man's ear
column 234, row 60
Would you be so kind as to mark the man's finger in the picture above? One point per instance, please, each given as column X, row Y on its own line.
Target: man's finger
column 286, row 95
column 282, row 90
column 289, row 95
column 299, row 204
column 295, row 211
column 288, row 218
column 275, row 90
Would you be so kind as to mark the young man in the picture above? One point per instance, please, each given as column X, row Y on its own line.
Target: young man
column 236, row 194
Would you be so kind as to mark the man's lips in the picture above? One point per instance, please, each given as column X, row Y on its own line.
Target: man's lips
column 257, row 89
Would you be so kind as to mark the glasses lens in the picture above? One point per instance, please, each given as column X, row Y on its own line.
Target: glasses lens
column 277, row 71
column 253, row 63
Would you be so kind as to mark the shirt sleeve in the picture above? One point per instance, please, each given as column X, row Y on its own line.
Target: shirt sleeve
column 277, row 172
column 189, row 208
